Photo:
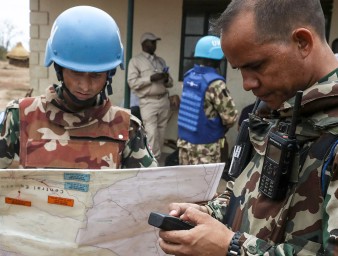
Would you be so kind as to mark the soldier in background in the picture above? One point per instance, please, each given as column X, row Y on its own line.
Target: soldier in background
column 207, row 110
column 280, row 48
column 74, row 125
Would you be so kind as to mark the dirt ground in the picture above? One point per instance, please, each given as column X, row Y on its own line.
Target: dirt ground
column 14, row 83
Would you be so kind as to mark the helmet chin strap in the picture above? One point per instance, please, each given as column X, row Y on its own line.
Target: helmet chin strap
column 108, row 86
column 91, row 101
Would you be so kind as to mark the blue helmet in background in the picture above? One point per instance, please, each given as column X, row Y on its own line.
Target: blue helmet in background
column 85, row 39
column 209, row 47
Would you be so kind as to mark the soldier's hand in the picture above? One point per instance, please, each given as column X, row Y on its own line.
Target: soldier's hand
column 208, row 237
column 158, row 76
column 177, row 209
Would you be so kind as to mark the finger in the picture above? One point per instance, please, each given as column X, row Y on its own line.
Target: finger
column 168, row 248
column 174, row 213
column 195, row 216
column 173, row 237
column 176, row 209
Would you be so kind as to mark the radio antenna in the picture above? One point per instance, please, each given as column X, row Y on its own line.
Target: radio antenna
column 295, row 114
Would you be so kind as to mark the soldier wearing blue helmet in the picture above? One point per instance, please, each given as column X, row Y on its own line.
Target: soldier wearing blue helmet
column 207, row 110
column 74, row 125
column 73, row 44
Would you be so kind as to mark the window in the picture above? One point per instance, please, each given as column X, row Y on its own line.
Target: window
column 195, row 24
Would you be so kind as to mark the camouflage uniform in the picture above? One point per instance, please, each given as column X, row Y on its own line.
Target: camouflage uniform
column 306, row 221
column 217, row 102
column 41, row 134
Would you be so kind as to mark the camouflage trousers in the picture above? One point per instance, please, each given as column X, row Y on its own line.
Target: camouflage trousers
column 190, row 154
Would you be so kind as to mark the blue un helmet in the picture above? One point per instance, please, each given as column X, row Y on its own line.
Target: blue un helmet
column 85, row 39
column 209, row 47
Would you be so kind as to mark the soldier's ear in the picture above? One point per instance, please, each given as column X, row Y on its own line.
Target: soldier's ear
column 304, row 40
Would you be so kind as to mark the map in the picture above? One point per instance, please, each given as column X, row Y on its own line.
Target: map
column 94, row 212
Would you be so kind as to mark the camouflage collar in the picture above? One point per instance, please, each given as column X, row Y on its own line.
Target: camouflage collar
column 319, row 111
column 332, row 76
column 324, row 93
column 55, row 107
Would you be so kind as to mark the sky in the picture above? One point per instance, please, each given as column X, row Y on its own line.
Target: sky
column 16, row 12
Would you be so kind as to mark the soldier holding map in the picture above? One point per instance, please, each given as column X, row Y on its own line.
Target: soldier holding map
column 74, row 125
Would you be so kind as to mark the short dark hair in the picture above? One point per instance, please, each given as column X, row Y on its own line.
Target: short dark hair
column 275, row 19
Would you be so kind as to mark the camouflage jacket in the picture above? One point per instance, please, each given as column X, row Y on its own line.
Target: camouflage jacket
column 305, row 222
column 103, row 136
column 217, row 102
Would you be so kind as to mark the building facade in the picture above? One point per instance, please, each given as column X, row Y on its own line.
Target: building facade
column 180, row 23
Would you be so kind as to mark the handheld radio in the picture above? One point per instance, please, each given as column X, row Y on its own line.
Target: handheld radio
column 279, row 156
column 242, row 149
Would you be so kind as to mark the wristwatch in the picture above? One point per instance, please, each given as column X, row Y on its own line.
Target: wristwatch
column 235, row 247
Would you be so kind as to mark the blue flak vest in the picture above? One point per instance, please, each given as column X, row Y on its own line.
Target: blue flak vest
column 193, row 125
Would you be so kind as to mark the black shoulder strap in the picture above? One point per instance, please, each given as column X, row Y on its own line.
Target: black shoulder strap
column 323, row 149
column 328, row 164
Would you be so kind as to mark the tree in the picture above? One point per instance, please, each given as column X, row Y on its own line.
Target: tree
column 7, row 33
column 3, row 53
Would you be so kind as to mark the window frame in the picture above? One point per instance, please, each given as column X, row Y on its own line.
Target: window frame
column 208, row 9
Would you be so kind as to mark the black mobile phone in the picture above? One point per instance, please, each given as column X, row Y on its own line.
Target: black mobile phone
column 168, row 222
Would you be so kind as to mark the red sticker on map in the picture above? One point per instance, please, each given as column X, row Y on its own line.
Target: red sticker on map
column 61, row 201
column 16, row 201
